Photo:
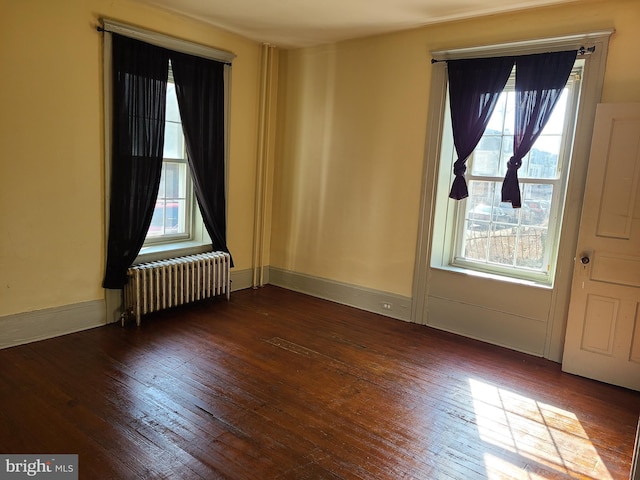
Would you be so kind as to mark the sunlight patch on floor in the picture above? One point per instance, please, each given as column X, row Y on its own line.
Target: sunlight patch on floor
column 529, row 437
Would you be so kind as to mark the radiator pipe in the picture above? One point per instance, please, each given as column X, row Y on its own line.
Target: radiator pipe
column 262, row 163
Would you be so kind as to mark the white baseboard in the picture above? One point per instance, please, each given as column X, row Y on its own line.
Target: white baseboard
column 37, row 325
column 29, row 327
column 383, row 303
column 241, row 279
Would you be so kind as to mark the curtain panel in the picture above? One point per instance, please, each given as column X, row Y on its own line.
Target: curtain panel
column 474, row 88
column 140, row 74
column 201, row 99
column 540, row 80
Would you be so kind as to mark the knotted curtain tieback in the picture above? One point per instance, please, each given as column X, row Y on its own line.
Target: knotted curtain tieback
column 514, row 164
column 459, row 169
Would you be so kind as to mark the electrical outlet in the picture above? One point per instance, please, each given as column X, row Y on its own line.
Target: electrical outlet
column 387, row 306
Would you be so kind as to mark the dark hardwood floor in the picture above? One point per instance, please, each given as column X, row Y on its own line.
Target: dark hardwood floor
column 279, row 385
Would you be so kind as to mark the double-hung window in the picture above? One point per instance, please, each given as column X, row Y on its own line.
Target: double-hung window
column 177, row 226
column 174, row 209
column 517, row 241
column 484, row 234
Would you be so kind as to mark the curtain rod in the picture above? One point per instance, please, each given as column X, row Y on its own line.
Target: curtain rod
column 581, row 51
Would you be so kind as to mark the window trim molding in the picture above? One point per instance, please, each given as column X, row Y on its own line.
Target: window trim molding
column 591, row 93
column 525, row 47
column 166, row 41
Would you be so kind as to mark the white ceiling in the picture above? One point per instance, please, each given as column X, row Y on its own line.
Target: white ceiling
column 299, row 23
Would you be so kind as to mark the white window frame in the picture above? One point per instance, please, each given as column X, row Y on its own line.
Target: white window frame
column 455, row 229
column 433, row 216
column 198, row 240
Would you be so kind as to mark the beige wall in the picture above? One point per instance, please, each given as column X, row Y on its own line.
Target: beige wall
column 347, row 183
column 52, row 236
column 352, row 135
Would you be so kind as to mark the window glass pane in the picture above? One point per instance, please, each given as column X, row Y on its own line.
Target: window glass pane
column 176, row 214
column 173, row 113
column 495, row 233
column 496, row 122
column 510, row 113
column 506, row 153
column 481, row 192
column 555, row 125
column 502, row 243
column 543, row 158
column 173, row 199
column 173, row 140
column 173, row 137
column 173, row 216
column 531, row 244
column 486, row 157
column 476, row 243
column 536, row 202
column 169, row 218
column 156, row 228
column 173, row 179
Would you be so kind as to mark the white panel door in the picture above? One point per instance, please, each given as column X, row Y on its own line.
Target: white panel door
column 603, row 328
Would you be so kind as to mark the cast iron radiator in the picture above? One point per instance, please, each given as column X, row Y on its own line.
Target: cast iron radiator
column 164, row 284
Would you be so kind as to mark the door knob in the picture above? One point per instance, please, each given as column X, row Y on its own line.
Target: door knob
column 584, row 260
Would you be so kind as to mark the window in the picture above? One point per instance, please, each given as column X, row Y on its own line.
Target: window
column 134, row 72
column 126, row 202
column 172, row 217
column 487, row 235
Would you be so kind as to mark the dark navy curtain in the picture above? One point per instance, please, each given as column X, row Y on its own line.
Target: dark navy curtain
column 140, row 74
column 474, row 88
column 540, row 80
column 200, row 91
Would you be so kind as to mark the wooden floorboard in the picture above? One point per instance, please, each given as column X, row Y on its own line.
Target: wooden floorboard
column 278, row 385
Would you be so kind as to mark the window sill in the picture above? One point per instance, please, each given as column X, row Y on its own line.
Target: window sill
column 493, row 276
column 163, row 251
